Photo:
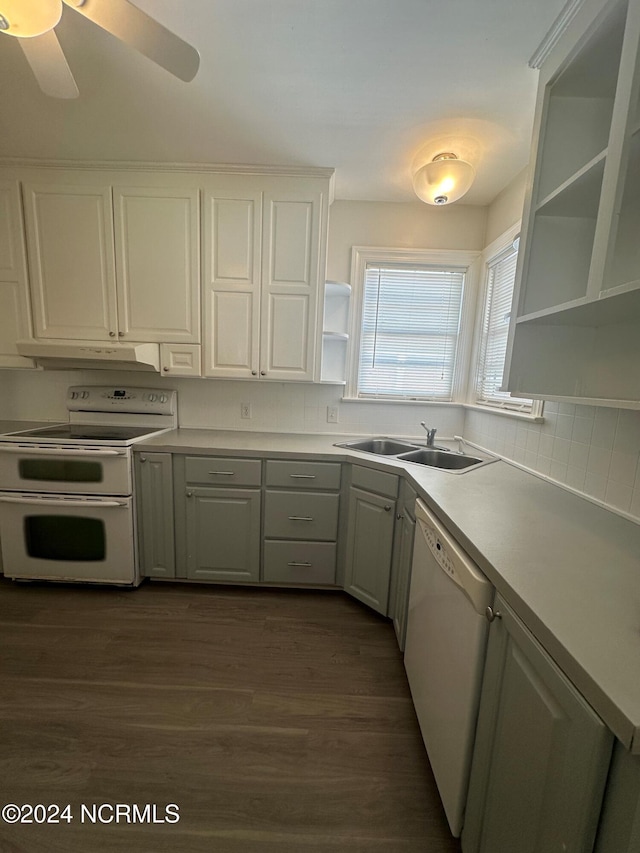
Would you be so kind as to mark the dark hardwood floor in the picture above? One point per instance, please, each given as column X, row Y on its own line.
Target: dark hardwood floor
column 277, row 721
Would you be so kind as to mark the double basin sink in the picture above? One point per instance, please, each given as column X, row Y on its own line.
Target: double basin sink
column 434, row 457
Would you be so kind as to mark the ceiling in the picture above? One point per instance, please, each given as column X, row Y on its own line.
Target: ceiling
column 373, row 88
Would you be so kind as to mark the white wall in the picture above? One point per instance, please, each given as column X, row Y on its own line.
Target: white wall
column 403, row 226
column 506, row 208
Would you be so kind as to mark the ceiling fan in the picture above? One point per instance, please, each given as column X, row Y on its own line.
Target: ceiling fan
column 33, row 22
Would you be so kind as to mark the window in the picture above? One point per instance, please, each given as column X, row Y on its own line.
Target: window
column 409, row 324
column 500, row 279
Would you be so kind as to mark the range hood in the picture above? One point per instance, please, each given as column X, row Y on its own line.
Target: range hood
column 91, row 355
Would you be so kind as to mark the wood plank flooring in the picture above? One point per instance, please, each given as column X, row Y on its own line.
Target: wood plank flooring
column 278, row 722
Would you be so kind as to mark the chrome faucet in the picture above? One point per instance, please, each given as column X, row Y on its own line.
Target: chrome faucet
column 431, row 434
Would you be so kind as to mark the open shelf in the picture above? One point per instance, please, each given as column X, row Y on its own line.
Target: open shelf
column 335, row 334
column 580, row 106
column 611, row 308
column 579, row 195
column 592, row 363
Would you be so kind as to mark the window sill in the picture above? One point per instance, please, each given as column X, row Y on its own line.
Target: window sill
column 391, row 401
column 508, row 413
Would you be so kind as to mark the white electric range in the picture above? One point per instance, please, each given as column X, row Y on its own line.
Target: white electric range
column 67, row 510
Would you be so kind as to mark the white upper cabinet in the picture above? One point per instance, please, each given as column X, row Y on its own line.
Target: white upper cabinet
column 265, row 243
column 71, row 262
column 137, row 281
column 14, row 303
column 232, row 246
column 157, row 264
column 575, row 327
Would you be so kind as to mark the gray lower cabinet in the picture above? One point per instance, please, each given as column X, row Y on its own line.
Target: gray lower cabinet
column 619, row 830
column 541, row 754
column 223, row 534
column 154, row 514
column 403, row 535
column 218, row 518
column 370, row 537
column 301, row 521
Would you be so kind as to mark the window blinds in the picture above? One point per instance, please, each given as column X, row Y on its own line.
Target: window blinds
column 501, row 276
column 410, row 326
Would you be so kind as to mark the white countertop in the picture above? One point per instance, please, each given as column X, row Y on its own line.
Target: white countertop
column 569, row 568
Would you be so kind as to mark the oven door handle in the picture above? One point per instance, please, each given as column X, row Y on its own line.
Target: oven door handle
column 58, row 451
column 32, row 500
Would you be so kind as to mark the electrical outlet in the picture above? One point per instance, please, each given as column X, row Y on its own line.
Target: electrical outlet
column 332, row 414
column 245, row 410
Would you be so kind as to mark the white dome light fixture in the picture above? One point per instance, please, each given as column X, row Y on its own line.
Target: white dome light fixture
column 29, row 18
column 444, row 180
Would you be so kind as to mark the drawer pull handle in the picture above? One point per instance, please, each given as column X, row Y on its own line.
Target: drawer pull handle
column 222, row 473
column 300, row 518
column 302, row 476
column 295, row 563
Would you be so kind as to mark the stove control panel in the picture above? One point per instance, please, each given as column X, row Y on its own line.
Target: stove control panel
column 107, row 398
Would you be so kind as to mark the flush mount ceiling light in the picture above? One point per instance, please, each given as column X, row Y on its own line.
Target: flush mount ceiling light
column 33, row 22
column 444, row 180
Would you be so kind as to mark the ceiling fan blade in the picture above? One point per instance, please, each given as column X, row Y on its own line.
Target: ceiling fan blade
column 141, row 32
column 49, row 65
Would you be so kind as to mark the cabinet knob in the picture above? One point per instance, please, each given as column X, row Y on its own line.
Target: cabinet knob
column 121, row 334
column 189, row 494
column 165, row 369
column 398, row 516
column 492, row 614
column 254, row 372
column 263, row 373
column 387, row 508
column 112, row 334
column 143, row 458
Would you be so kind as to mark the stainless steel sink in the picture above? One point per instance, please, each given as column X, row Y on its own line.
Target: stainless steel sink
column 380, row 446
column 405, row 451
column 441, row 459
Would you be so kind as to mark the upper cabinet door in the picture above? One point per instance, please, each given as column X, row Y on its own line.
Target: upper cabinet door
column 290, row 272
column 14, row 303
column 232, row 233
column 157, row 264
column 70, row 250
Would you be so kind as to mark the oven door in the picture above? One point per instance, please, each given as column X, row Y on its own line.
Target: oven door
column 62, row 538
column 65, row 468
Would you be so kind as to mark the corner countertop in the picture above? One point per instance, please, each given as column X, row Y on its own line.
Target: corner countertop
column 569, row 568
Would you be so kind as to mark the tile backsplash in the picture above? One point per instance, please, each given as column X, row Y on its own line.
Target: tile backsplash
column 591, row 449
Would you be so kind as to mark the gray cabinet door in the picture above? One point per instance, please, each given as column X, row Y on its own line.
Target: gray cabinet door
column 401, row 574
column 541, row 754
column 369, row 547
column 223, row 534
column 154, row 502
column 619, row 830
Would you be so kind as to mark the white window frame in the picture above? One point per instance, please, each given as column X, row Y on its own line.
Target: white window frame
column 466, row 261
column 490, row 255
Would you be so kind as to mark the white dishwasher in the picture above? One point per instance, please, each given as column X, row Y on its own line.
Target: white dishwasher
column 444, row 655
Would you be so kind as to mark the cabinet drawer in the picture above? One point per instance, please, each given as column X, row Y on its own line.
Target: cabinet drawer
column 221, row 471
column 374, row 481
column 300, row 562
column 303, row 475
column 301, row 515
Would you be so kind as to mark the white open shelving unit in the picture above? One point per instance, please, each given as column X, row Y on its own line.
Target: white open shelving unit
column 335, row 332
column 575, row 333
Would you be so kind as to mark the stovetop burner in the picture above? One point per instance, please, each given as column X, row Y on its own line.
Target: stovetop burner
column 84, row 432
